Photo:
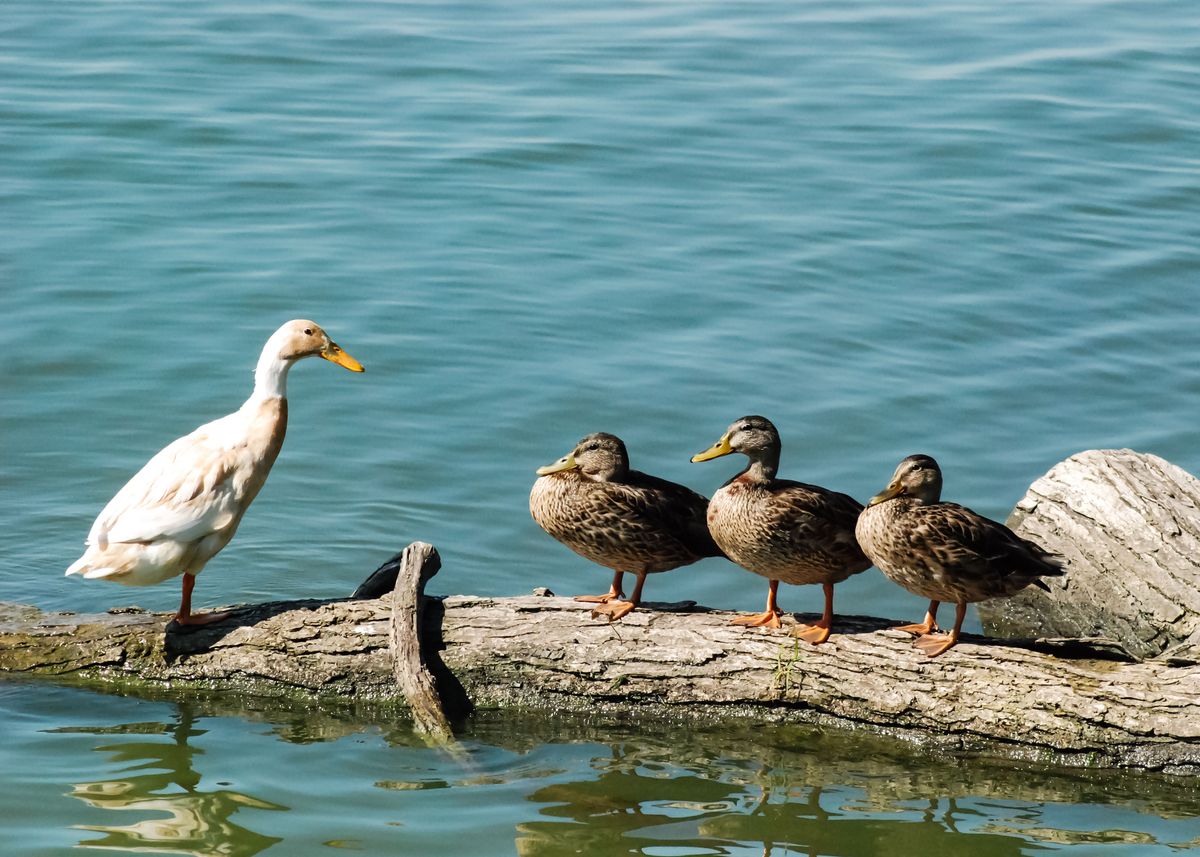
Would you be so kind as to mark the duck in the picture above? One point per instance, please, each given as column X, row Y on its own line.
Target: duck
column 785, row 531
column 619, row 518
column 945, row 552
column 186, row 502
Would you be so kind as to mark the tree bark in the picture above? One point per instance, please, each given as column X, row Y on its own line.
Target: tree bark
column 1128, row 524
column 1044, row 702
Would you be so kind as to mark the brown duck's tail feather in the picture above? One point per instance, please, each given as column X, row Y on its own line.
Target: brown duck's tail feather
column 1052, row 566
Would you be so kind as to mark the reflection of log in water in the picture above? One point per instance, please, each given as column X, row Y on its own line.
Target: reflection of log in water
column 801, row 791
column 784, row 758
column 776, row 756
column 613, row 785
column 191, row 821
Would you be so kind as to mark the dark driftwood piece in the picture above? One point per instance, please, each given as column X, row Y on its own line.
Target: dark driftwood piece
column 547, row 652
column 1128, row 524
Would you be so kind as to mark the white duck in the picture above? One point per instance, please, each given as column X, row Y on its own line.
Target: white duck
column 186, row 503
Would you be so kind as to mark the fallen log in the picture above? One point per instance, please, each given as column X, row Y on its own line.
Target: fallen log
column 1056, row 701
column 1128, row 524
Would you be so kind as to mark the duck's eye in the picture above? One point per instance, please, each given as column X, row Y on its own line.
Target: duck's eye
column 591, row 447
column 308, row 331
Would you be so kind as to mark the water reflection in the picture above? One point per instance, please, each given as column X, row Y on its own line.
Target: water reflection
column 806, row 791
column 619, row 809
column 550, row 785
column 636, row 804
column 186, row 819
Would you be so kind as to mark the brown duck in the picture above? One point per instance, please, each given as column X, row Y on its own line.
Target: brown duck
column 783, row 530
column 943, row 551
column 619, row 518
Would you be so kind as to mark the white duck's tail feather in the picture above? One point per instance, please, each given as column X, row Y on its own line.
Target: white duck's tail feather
column 79, row 566
column 84, row 567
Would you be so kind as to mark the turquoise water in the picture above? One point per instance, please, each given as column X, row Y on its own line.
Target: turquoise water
column 171, row 777
column 962, row 228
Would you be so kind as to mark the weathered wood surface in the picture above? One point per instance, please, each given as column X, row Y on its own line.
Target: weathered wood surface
column 548, row 652
column 410, row 668
column 1128, row 524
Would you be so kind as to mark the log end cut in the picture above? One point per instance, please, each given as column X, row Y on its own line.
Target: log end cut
column 1128, row 525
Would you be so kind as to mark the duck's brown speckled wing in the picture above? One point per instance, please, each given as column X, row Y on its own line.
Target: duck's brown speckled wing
column 674, row 508
column 817, row 520
column 968, row 554
column 789, row 531
column 642, row 523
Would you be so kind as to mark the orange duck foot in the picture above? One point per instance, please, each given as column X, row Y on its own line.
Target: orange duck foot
column 196, row 620
column 613, row 610
column 934, row 644
column 768, row 619
column 815, row 634
column 611, row 595
column 920, row 629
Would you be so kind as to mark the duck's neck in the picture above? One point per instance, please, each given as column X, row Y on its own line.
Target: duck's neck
column 762, row 468
column 609, row 474
column 270, row 375
column 928, row 497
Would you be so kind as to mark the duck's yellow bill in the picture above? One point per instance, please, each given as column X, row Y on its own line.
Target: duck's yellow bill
column 893, row 490
column 335, row 354
column 721, row 447
column 567, row 462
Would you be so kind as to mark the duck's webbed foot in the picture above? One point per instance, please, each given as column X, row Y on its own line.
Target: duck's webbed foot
column 766, row 619
column 192, row 621
column 816, row 633
column 921, row 629
column 615, row 592
column 935, row 644
column 613, row 610
column 611, row 595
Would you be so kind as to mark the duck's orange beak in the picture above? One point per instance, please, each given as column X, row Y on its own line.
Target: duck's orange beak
column 334, row 354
